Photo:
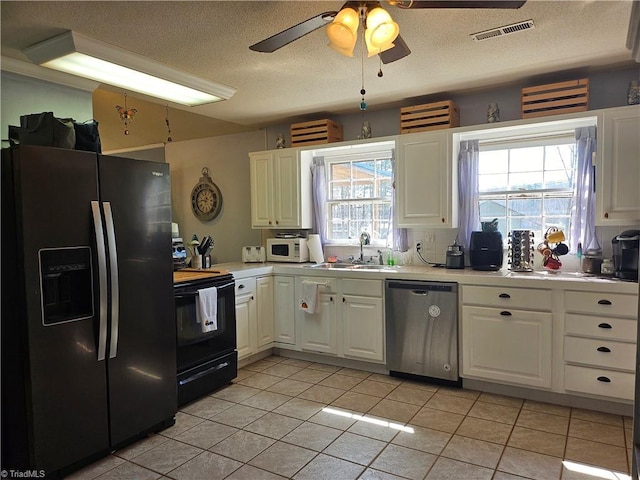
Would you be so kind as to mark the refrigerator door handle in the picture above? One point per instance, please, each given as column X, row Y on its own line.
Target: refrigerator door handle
column 102, row 277
column 115, row 292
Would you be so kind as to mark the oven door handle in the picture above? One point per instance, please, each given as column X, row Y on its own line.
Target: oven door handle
column 203, row 373
column 195, row 294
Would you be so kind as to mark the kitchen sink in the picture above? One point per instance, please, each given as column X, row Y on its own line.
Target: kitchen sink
column 352, row 266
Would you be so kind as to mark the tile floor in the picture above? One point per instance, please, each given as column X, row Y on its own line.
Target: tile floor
column 286, row 418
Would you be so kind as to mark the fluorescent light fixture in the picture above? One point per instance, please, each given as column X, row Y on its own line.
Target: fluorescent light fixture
column 79, row 55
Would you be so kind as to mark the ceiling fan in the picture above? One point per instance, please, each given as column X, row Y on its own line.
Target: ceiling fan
column 389, row 51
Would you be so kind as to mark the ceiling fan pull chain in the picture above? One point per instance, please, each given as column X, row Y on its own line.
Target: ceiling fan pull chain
column 363, row 103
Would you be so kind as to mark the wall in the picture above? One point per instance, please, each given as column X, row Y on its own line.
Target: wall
column 606, row 89
column 228, row 163
column 22, row 95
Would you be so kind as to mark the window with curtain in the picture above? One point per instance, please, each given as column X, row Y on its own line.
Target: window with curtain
column 528, row 183
column 359, row 186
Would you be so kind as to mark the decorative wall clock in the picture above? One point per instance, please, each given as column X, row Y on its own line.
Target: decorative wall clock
column 206, row 198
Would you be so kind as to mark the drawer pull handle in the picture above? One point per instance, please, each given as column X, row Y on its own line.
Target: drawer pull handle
column 240, row 287
column 604, row 302
column 604, row 349
column 604, row 379
column 605, row 325
column 505, row 313
column 504, row 295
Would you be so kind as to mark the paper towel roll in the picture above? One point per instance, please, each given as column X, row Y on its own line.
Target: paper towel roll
column 315, row 248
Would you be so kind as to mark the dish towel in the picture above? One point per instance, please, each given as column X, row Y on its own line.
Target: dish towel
column 207, row 309
column 309, row 297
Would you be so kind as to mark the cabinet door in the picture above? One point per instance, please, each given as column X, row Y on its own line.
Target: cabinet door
column 618, row 168
column 318, row 330
column 287, row 189
column 424, row 180
column 513, row 346
column 264, row 311
column 244, row 318
column 284, row 309
column 362, row 327
column 261, row 169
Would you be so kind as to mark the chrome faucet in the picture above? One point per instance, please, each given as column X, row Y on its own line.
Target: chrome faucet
column 365, row 239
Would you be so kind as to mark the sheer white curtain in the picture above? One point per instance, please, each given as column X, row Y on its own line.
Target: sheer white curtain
column 468, row 208
column 400, row 237
column 319, row 186
column 583, row 209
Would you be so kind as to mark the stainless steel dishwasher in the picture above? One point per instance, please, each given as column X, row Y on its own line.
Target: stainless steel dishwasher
column 422, row 330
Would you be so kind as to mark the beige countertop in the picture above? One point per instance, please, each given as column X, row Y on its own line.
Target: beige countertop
column 467, row 276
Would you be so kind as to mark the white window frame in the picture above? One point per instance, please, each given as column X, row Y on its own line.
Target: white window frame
column 518, row 131
column 545, row 140
column 355, row 153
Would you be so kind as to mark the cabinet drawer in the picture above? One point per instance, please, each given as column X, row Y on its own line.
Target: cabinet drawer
column 366, row 288
column 594, row 381
column 601, row 327
column 245, row 285
column 600, row 353
column 615, row 304
column 526, row 298
column 327, row 285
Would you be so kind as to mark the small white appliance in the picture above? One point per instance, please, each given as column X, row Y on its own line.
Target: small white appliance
column 253, row 254
column 287, row 250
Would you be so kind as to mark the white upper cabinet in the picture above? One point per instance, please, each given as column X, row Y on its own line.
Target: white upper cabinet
column 425, row 181
column 618, row 167
column 280, row 190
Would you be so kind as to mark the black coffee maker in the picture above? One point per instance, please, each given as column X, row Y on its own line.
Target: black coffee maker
column 625, row 254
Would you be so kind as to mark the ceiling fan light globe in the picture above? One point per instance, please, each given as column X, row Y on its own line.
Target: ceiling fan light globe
column 375, row 49
column 340, row 35
column 343, row 30
column 384, row 34
column 347, row 52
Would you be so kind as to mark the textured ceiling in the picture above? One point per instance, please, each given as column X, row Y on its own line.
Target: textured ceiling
column 211, row 39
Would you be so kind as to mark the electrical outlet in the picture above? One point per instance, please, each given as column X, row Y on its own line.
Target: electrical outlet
column 430, row 237
column 419, row 247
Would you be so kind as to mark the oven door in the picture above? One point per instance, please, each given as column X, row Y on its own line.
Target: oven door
column 195, row 346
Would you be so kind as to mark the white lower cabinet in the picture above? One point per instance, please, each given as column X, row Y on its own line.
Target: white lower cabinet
column 254, row 315
column 362, row 320
column 264, row 311
column 245, row 317
column 284, row 308
column 504, row 341
column 318, row 331
column 350, row 320
column 599, row 343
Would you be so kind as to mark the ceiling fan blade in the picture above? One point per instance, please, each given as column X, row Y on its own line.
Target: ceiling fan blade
column 457, row 3
column 400, row 50
column 287, row 36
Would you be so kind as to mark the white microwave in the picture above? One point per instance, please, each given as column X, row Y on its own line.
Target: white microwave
column 287, row 250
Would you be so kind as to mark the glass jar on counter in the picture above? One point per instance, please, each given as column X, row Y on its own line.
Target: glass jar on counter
column 607, row 267
column 592, row 264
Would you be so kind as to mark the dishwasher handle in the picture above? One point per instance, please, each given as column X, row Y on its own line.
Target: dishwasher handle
column 421, row 288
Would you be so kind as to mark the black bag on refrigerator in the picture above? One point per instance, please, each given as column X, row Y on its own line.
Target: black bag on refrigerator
column 87, row 136
column 46, row 130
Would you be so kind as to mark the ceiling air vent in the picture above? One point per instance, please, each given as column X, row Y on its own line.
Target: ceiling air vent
column 501, row 31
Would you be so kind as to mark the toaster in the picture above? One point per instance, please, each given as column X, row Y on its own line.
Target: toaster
column 254, row 254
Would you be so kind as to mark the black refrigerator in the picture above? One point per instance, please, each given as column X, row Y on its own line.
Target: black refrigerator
column 88, row 330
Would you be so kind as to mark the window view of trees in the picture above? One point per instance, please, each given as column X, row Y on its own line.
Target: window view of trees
column 528, row 187
column 360, row 198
